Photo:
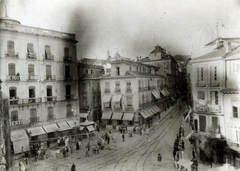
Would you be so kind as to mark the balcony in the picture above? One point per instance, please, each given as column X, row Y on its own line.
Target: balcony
column 214, row 84
column 117, row 90
column 48, row 57
column 129, row 90
column 33, row 77
column 107, row 90
column 11, row 55
column 214, row 108
column 50, row 98
column 69, row 97
column 31, row 56
column 200, row 85
column 153, row 87
column 13, row 78
column 25, row 101
column 49, row 77
column 34, row 120
column 202, row 108
column 67, row 59
column 68, row 77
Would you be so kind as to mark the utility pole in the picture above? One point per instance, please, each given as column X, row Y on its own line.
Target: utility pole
column 5, row 133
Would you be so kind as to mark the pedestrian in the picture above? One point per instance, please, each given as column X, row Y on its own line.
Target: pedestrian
column 174, row 154
column 159, row 157
column 48, row 143
column 64, row 152
column 193, row 153
column 59, row 142
column 26, row 157
column 88, row 145
column 77, row 145
column 183, row 146
column 22, row 153
column 196, row 164
column 71, row 148
column 67, row 150
column 123, row 137
column 86, row 151
column 73, row 167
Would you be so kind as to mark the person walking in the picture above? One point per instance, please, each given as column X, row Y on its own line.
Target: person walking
column 193, row 153
column 77, row 145
column 86, row 151
column 123, row 137
column 73, row 167
column 174, row 154
column 88, row 145
column 71, row 148
column 159, row 157
column 48, row 143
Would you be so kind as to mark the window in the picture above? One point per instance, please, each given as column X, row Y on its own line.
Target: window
column 30, row 71
column 128, row 85
column 50, row 115
column 30, row 51
column 12, row 92
column 200, row 76
column 117, row 86
column 11, row 69
column 14, row 116
column 139, row 83
column 107, row 86
column 86, row 71
column 49, row 93
column 143, row 99
column 48, row 54
column 33, row 116
column 201, row 95
column 202, row 123
column 92, row 72
column 236, row 67
column 68, row 92
column 119, row 122
column 67, row 72
column 48, row 72
column 66, row 52
column 109, row 122
column 235, row 112
column 117, row 71
column 69, row 110
column 10, row 49
column 215, row 124
column 214, row 97
column 129, row 101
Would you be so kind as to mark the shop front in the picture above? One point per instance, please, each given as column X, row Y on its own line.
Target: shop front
column 51, row 130
column 64, row 129
column 20, row 141
column 37, row 134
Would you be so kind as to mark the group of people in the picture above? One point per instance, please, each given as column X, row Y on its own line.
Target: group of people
column 179, row 146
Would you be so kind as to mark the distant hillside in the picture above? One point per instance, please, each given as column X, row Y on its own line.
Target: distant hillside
column 181, row 57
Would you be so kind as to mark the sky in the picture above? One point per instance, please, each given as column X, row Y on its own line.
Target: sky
column 131, row 28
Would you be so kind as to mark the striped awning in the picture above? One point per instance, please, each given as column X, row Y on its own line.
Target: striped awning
column 90, row 128
column 50, row 128
column 145, row 115
column 107, row 115
column 35, row 131
column 117, row 116
column 128, row 116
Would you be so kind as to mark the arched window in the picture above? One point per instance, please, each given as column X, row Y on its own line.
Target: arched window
column 69, row 110
column 14, row 116
column 50, row 115
column 33, row 116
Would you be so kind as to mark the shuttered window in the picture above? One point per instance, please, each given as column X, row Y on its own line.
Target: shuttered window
column 129, row 101
column 48, row 72
column 30, row 48
column 11, row 69
column 69, row 110
column 33, row 113
column 202, row 122
column 30, row 69
column 50, row 113
column 66, row 52
column 201, row 94
column 10, row 47
column 48, row 54
column 14, row 115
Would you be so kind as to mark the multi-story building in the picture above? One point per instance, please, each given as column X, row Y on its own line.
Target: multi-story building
column 215, row 91
column 89, row 91
column 161, row 58
column 131, row 93
column 38, row 69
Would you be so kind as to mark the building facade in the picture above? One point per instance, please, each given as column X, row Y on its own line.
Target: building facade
column 132, row 93
column 215, row 91
column 39, row 73
column 90, row 91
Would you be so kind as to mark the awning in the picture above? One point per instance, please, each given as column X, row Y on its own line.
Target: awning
column 83, row 115
column 154, row 109
column 73, row 123
column 50, row 128
column 155, row 95
column 185, row 163
column 107, row 115
column 106, row 98
column 86, row 123
column 147, row 112
column 163, row 92
column 144, row 114
column 90, row 128
column 81, row 128
column 150, row 111
column 116, row 98
column 157, row 109
column 19, row 139
column 117, row 116
column 158, row 93
column 35, row 131
column 63, row 126
column 128, row 116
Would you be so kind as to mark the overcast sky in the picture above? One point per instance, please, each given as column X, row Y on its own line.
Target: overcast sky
column 132, row 27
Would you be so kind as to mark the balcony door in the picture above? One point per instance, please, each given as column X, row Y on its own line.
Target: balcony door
column 67, row 72
column 49, row 93
column 48, row 72
column 68, row 91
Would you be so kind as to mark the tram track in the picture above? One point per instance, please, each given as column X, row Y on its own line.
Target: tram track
column 116, row 157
